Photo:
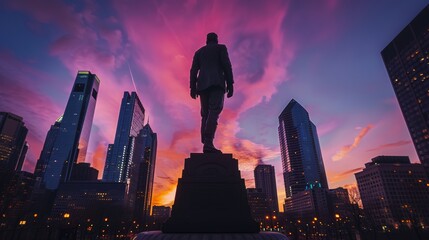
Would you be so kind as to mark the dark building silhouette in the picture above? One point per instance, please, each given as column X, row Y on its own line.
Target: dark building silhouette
column 394, row 192
column 72, row 141
column 160, row 214
column 14, row 202
column 46, row 152
column 259, row 205
column 303, row 170
column 119, row 155
column 85, row 203
column 339, row 203
column 142, row 172
column 265, row 179
column 83, row 172
column 407, row 63
column 12, row 142
column 22, row 156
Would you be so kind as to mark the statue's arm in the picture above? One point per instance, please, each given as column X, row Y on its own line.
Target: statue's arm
column 226, row 65
column 194, row 71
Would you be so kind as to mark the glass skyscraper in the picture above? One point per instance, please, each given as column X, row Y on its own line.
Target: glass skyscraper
column 142, row 173
column 302, row 161
column 71, row 144
column 46, row 152
column 407, row 63
column 120, row 154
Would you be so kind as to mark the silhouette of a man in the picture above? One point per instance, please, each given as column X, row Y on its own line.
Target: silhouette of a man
column 211, row 77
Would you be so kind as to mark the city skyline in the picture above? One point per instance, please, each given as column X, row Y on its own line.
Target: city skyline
column 287, row 62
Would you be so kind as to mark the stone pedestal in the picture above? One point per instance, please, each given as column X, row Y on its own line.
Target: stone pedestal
column 210, row 198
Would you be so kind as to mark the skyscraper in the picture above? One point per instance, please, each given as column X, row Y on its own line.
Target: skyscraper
column 300, row 151
column 46, row 152
column 12, row 141
column 407, row 63
column 119, row 156
column 394, row 192
column 265, row 179
column 142, row 172
column 303, row 170
column 72, row 141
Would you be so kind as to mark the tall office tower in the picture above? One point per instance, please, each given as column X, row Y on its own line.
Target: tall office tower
column 119, row 154
column 142, row 172
column 72, row 141
column 12, row 141
column 265, row 179
column 46, row 152
column 407, row 63
column 394, row 192
column 300, row 151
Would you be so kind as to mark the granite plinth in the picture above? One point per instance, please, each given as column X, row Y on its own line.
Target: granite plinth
column 210, row 198
column 158, row 235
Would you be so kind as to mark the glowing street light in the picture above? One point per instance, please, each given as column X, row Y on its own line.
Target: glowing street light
column 66, row 215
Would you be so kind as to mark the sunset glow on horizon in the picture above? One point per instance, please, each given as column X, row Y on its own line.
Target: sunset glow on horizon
column 323, row 54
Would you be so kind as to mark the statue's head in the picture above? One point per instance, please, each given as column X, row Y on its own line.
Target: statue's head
column 211, row 38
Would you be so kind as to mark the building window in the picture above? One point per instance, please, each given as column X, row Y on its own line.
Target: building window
column 79, row 87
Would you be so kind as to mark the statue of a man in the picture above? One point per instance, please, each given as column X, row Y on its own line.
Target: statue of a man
column 211, row 77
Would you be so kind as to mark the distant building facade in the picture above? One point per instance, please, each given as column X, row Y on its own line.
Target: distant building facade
column 265, row 179
column 88, row 203
column 46, row 152
column 407, row 63
column 259, row 204
column 71, row 143
column 308, row 204
column 12, row 141
column 120, row 154
column 339, row 203
column 142, row 173
column 394, row 192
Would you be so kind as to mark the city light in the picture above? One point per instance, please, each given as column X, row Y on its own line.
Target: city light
column 66, row 215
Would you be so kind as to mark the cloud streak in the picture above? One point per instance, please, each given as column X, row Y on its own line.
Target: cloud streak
column 390, row 145
column 345, row 150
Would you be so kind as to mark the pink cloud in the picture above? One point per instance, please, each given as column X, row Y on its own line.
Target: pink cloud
column 348, row 148
column 390, row 145
column 21, row 94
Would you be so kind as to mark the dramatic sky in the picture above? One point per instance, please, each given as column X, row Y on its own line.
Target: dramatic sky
column 324, row 54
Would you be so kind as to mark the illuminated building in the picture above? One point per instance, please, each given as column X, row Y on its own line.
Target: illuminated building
column 265, row 179
column 300, row 151
column 14, row 201
column 71, row 144
column 339, row 202
column 407, row 63
column 90, row 202
column 46, row 152
column 258, row 203
column 307, row 204
column 142, row 172
column 303, row 170
column 120, row 154
column 12, row 142
column 394, row 192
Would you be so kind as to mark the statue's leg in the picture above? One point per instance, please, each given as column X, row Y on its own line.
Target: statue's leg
column 215, row 106
column 204, row 100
